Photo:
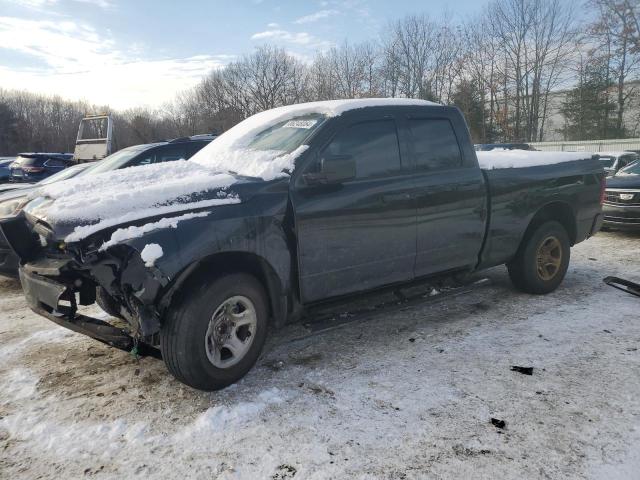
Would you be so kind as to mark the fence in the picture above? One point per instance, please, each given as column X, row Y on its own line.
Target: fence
column 614, row 145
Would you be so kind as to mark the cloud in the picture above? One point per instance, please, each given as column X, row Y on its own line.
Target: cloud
column 40, row 4
column 303, row 39
column 104, row 4
column 79, row 62
column 273, row 25
column 314, row 17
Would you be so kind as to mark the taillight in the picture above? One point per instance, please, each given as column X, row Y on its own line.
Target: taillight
column 33, row 169
column 603, row 189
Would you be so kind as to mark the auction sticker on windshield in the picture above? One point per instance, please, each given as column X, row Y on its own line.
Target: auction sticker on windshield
column 300, row 124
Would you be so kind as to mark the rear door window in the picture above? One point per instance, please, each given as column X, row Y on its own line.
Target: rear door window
column 194, row 147
column 435, row 146
column 170, row 153
column 373, row 146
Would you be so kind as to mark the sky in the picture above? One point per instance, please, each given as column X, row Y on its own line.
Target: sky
column 128, row 53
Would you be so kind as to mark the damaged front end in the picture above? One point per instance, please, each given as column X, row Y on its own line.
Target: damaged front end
column 57, row 278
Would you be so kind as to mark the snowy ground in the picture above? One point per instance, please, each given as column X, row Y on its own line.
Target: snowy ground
column 407, row 393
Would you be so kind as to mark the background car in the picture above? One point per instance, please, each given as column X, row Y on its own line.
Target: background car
column 5, row 170
column 614, row 161
column 33, row 167
column 622, row 199
column 11, row 201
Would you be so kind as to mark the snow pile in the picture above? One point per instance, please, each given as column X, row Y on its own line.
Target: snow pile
column 48, row 336
column 525, row 158
column 124, row 234
column 66, row 440
column 219, row 419
column 19, row 384
column 150, row 253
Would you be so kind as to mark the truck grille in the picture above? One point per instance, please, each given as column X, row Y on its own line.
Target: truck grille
column 621, row 197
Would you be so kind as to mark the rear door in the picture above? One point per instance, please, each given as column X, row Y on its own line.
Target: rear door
column 361, row 233
column 450, row 194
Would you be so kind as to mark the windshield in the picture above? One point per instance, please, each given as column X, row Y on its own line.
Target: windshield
column 607, row 162
column 118, row 159
column 262, row 146
column 632, row 169
column 63, row 175
column 285, row 136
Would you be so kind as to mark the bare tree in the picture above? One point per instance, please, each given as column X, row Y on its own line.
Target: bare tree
column 616, row 32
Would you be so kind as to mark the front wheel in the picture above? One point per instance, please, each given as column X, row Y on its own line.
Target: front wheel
column 542, row 259
column 214, row 337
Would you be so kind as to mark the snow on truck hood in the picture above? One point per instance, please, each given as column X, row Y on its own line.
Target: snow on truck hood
column 104, row 200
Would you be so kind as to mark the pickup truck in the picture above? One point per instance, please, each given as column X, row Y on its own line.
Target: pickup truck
column 293, row 207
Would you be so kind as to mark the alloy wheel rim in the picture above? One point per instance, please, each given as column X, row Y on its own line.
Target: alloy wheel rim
column 231, row 331
column 549, row 258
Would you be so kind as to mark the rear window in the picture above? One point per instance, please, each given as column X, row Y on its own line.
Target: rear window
column 30, row 162
column 607, row 161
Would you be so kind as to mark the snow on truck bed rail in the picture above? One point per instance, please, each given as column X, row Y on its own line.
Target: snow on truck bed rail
column 113, row 198
column 495, row 159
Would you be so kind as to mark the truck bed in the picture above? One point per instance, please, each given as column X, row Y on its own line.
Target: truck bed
column 515, row 194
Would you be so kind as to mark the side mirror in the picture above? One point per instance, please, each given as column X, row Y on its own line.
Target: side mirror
column 333, row 169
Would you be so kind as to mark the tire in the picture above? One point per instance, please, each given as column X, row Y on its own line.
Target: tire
column 107, row 303
column 197, row 335
column 549, row 243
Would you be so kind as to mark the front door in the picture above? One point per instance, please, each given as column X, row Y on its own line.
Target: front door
column 359, row 234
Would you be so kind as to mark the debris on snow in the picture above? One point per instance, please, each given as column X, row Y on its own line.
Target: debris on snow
column 498, row 423
column 150, row 253
column 284, row 472
column 523, row 370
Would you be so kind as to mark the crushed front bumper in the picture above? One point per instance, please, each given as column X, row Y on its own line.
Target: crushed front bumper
column 44, row 295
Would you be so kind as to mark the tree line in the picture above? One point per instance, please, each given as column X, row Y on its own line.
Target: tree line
column 502, row 68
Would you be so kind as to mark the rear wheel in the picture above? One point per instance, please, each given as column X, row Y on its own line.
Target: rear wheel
column 214, row 337
column 542, row 259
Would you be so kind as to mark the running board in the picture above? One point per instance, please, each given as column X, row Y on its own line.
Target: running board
column 324, row 322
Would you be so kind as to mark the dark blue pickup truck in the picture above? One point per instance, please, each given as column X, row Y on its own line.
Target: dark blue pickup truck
column 303, row 204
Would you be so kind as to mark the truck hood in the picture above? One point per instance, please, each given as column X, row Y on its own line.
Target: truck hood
column 630, row 180
column 78, row 208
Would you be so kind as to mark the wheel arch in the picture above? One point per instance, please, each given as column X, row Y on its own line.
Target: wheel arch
column 559, row 211
column 216, row 264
